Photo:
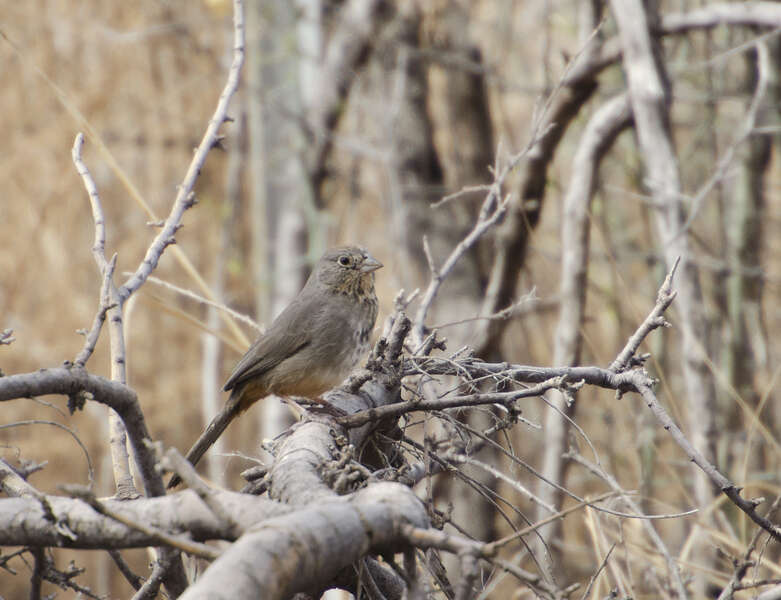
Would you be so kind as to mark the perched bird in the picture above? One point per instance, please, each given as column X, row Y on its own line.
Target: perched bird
column 311, row 346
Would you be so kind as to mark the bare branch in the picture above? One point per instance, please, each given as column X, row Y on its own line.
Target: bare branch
column 97, row 324
column 728, row 488
column 649, row 95
column 301, row 551
column 743, row 134
column 598, row 137
column 70, row 381
column 743, row 565
column 491, row 212
column 174, row 461
column 355, row 30
column 655, row 319
column 433, row 538
column 151, row 586
column 37, row 578
column 13, row 484
column 593, row 578
column 111, row 306
column 477, row 399
column 185, row 198
column 99, row 245
column 134, row 580
column 26, row 521
column 157, row 536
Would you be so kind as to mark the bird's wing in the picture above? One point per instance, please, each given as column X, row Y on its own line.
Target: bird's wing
column 283, row 339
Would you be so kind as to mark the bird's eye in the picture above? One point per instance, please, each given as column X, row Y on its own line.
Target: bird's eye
column 344, row 261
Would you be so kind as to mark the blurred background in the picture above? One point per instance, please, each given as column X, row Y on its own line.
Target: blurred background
column 352, row 118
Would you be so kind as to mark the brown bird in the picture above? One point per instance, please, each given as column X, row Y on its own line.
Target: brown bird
column 311, row 346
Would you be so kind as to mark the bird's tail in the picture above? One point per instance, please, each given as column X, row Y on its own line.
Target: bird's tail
column 218, row 424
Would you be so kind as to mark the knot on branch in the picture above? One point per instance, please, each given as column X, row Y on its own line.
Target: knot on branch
column 77, row 400
column 344, row 474
column 257, row 480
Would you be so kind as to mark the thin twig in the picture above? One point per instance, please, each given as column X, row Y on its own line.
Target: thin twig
column 728, row 488
column 174, row 461
column 184, row 196
column 664, row 299
column 198, row 298
column 763, row 69
column 150, row 588
column 491, row 211
column 394, row 410
column 111, row 306
column 136, row 581
column 90, row 470
column 37, row 578
column 91, row 338
column 593, row 578
column 495, row 545
column 526, row 305
column 462, row 546
column 742, row 566
column 465, row 191
column 672, row 566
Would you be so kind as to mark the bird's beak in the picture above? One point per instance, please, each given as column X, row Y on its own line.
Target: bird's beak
column 370, row 264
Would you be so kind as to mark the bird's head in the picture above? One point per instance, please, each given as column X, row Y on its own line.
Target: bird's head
column 348, row 270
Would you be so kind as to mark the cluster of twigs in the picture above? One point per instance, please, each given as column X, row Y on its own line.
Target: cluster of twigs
column 503, row 388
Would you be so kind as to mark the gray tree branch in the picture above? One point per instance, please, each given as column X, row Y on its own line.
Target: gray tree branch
column 72, row 523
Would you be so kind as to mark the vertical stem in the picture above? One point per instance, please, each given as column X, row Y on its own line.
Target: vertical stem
column 120, row 458
column 600, row 133
column 649, row 95
column 37, row 578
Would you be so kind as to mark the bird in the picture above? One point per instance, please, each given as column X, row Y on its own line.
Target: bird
column 312, row 345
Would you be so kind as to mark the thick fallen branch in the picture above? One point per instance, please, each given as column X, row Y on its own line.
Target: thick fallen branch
column 303, row 551
column 72, row 523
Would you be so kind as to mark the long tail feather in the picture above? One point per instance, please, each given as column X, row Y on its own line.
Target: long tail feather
column 218, row 424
